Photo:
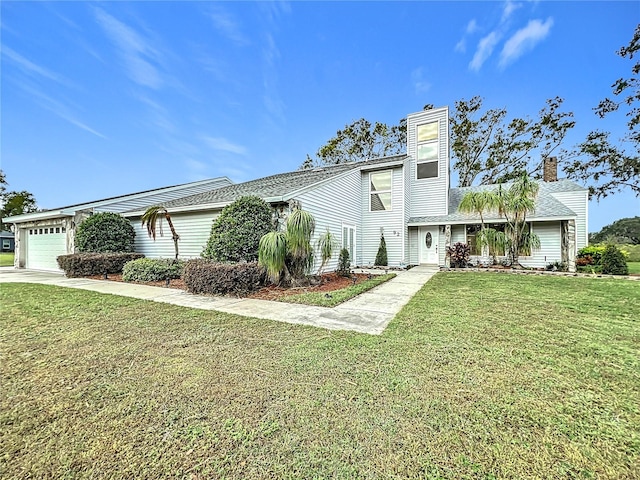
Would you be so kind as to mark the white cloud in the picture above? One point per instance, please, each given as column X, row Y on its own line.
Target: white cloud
column 509, row 8
column 420, row 84
column 461, row 46
column 224, row 145
column 137, row 53
column 31, row 68
column 524, row 40
column 472, row 26
column 484, row 50
column 227, row 25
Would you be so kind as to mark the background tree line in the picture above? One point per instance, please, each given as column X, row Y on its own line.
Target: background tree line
column 14, row 202
column 488, row 148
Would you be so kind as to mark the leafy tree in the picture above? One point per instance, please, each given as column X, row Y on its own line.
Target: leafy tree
column 105, row 232
column 288, row 256
column 625, row 230
column 326, row 244
column 235, row 234
column 612, row 167
column 3, row 183
column 17, row 203
column 344, row 263
column 381, row 256
column 152, row 218
column 486, row 150
column 360, row 140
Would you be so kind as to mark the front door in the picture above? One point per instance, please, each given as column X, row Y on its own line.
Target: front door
column 429, row 245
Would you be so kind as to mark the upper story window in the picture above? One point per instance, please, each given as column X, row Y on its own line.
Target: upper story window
column 380, row 191
column 427, row 166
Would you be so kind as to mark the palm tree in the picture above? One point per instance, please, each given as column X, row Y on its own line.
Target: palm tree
column 480, row 202
column 288, row 255
column 152, row 218
column 326, row 244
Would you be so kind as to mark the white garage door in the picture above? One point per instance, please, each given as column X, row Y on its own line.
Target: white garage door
column 44, row 244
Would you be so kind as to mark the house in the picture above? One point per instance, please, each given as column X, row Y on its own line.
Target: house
column 40, row 237
column 7, row 241
column 407, row 198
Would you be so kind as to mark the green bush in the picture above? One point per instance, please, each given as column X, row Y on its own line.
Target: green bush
column 631, row 252
column 152, row 270
column 238, row 279
column 105, row 232
column 590, row 255
column 88, row 264
column 613, row 261
column 344, row 264
column 236, row 233
column 381, row 257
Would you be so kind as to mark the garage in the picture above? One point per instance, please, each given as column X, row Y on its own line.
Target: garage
column 44, row 244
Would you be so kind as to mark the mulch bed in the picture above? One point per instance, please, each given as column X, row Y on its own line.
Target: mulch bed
column 329, row 283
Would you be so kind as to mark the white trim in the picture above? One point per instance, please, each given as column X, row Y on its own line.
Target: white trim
column 353, row 259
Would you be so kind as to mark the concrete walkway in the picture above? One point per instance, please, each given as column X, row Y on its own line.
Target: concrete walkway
column 369, row 312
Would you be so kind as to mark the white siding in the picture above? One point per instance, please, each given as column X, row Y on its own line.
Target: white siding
column 406, row 170
column 142, row 201
column 577, row 201
column 413, row 246
column 550, row 250
column 429, row 196
column 333, row 204
column 458, row 234
column 391, row 221
column 193, row 228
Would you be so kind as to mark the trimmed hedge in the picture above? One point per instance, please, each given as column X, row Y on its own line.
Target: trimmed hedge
column 87, row 264
column 152, row 270
column 105, row 232
column 238, row 279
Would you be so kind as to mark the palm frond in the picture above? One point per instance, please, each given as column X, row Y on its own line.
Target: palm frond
column 272, row 254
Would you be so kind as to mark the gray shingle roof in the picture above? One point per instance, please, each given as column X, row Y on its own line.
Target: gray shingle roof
column 275, row 186
column 547, row 206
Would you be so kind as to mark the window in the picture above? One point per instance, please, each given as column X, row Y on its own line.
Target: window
column 427, row 150
column 380, row 191
column 472, row 239
column 349, row 242
column 496, row 249
column 6, row 244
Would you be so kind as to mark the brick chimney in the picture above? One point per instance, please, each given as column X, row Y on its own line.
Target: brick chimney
column 550, row 169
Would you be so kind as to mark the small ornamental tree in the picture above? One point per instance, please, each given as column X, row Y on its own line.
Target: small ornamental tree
column 613, row 261
column 105, row 232
column 381, row 257
column 326, row 244
column 235, row 234
column 152, row 219
column 344, row 264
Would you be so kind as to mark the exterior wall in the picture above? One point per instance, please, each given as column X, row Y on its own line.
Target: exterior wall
column 578, row 202
column 413, row 253
column 333, row 204
column 406, row 171
column 193, row 228
column 144, row 201
column 550, row 245
column 429, row 196
column 391, row 222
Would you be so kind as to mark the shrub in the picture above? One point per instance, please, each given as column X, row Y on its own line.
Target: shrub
column 381, row 257
column 87, row 264
column 613, row 261
column 557, row 266
column 105, row 232
column 238, row 279
column 152, row 270
column 591, row 254
column 459, row 255
column 235, row 234
column 344, row 263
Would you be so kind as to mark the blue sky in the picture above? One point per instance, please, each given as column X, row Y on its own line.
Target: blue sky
column 107, row 98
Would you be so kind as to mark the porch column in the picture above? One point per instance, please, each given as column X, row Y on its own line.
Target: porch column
column 571, row 240
column 447, row 244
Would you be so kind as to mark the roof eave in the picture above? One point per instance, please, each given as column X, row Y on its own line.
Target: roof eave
column 35, row 216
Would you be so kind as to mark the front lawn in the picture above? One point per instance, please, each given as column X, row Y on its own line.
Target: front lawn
column 634, row 267
column 479, row 376
column 6, row 259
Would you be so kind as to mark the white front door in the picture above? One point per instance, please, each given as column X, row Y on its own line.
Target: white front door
column 429, row 245
column 349, row 242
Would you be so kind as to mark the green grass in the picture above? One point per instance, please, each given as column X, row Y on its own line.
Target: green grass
column 337, row 297
column 634, row 267
column 6, row 259
column 480, row 376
